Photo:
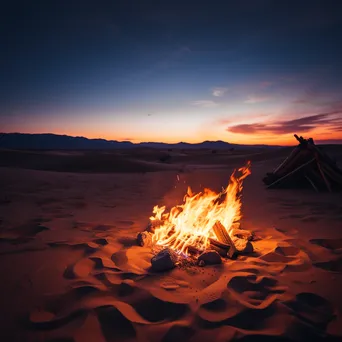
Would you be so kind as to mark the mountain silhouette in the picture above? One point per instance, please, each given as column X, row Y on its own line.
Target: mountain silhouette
column 48, row 141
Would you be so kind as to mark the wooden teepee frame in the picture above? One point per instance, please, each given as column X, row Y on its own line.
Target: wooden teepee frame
column 306, row 165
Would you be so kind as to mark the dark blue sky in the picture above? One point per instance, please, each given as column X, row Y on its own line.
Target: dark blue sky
column 171, row 70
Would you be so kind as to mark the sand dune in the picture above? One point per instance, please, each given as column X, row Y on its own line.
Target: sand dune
column 134, row 160
column 71, row 269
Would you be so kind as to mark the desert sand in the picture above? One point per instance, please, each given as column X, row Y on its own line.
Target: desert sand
column 71, row 269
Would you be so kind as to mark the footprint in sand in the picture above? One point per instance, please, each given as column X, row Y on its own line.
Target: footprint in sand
column 335, row 246
column 332, row 265
column 79, row 270
column 263, row 286
column 312, row 308
column 291, row 257
column 276, row 256
column 255, row 292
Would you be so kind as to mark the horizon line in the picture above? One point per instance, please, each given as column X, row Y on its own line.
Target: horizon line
column 143, row 142
column 323, row 141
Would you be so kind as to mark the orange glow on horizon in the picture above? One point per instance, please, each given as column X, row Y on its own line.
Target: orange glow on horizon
column 233, row 138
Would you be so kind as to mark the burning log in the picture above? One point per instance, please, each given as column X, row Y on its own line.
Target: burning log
column 223, row 237
column 221, row 233
column 193, row 250
column 209, row 257
column 219, row 247
column 187, row 228
column 165, row 260
column 223, row 249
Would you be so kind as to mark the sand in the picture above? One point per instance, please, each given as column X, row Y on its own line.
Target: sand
column 71, row 269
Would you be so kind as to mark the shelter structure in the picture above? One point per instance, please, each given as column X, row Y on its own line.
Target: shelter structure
column 307, row 165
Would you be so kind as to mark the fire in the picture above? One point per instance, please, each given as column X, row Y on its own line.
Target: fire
column 190, row 224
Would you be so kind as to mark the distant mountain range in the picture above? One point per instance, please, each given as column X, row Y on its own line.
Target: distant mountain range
column 64, row 142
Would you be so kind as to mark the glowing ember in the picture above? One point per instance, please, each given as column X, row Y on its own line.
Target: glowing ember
column 191, row 223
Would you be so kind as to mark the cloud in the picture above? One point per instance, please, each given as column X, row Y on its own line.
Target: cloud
column 218, row 91
column 205, row 103
column 330, row 121
column 256, row 99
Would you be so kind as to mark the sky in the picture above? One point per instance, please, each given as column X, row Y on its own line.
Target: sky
column 241, row 71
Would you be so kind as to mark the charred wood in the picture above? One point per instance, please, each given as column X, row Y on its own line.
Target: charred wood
column 221, row 233
column 165, row 260
column 209, row 257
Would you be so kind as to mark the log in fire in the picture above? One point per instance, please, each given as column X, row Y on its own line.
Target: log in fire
column 205, row 228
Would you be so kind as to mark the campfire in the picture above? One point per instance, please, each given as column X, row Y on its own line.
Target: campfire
column 204, row 228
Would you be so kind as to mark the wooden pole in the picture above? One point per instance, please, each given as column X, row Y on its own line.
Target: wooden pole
column 311, row 182
column 300, row 139
column 291, row 173
column 327, row 183
column 335, row 176
column 323, row 156
column 289, row 157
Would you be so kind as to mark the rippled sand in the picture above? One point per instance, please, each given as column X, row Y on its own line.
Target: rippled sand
column 71, row 270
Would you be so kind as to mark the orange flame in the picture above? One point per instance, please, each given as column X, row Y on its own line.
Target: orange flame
column 190, row 224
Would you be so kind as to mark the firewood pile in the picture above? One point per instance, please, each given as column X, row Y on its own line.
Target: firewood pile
column 306, row 166
column 224, row 246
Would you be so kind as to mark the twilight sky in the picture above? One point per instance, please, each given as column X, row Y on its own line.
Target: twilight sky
column 241, row 71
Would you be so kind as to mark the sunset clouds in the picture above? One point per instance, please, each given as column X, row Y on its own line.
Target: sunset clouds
column 329, row 121
column 243, row 71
